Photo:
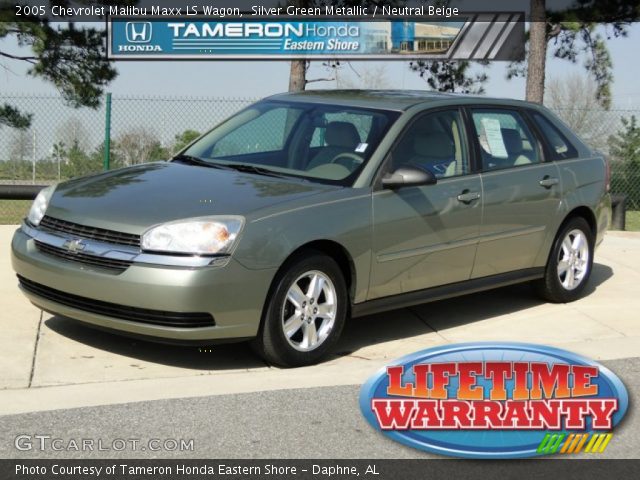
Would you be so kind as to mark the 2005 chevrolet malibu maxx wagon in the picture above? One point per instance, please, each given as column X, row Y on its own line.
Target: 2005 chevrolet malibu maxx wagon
column 306, row 209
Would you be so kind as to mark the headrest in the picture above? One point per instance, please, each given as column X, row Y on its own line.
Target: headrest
column 512, row 141
column 435, row 144
column 342, row 134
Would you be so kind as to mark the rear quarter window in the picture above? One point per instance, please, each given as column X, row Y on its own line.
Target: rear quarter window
column 560, row 147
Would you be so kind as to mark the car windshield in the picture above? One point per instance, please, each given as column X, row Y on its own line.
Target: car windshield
column 317, row 142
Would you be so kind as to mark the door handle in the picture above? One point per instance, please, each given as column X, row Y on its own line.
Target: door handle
column 548, row 182
column 467, row 197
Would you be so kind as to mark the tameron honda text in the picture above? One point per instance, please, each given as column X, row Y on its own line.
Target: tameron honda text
column 496, row 400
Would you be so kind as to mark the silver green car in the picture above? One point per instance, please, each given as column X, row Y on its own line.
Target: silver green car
column 306, row 209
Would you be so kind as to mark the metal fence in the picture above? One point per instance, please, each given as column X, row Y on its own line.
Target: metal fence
column 615, row 133
column 63, row 142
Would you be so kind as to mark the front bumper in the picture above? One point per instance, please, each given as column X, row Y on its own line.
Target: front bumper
column 232, row 294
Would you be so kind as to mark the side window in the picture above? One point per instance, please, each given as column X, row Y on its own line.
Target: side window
column 266, row 133
column 560, row 147
column 504, row 138
column 434, row 142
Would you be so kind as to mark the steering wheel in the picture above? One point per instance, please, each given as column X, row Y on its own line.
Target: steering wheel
column 348, row 160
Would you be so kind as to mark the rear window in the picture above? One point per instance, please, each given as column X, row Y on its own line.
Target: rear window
column 561, row 148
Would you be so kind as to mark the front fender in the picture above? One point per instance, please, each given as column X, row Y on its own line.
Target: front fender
column 344, row 218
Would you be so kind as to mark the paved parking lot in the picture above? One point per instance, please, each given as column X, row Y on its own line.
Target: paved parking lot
column 71, row 366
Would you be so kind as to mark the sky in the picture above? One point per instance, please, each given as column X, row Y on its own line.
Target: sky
column 258, row 79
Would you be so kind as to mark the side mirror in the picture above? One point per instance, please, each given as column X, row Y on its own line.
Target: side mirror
column 410, row 176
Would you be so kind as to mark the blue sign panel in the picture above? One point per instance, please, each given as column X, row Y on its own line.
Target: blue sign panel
column 282, row 39
column 403, row 32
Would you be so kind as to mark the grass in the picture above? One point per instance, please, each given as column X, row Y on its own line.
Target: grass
column 13, row 211
column 633, row 221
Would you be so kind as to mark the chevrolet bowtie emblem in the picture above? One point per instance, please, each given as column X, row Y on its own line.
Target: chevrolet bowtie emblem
column 74, row 245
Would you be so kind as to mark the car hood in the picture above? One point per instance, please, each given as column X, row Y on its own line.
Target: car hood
column 132, row 199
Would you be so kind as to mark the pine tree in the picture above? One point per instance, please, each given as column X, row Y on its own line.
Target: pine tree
column 70, row 57
column 624, row 149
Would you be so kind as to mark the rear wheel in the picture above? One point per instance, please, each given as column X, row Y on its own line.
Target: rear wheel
column 305, row 314
column 570, row 262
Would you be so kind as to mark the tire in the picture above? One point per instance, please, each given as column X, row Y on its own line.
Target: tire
column 302, row 311
column 570, row 262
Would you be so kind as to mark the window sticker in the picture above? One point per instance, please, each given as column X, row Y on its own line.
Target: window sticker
column 362, row 147
column 492, row 140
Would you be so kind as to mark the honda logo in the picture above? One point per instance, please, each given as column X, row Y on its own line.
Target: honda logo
column 138, row 32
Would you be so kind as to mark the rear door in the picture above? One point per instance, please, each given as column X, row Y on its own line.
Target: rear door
column 425, row 236
column 521, row 192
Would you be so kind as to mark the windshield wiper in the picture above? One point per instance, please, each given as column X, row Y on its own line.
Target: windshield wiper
column 245, row 168
column 239, row 167
column 191, row 160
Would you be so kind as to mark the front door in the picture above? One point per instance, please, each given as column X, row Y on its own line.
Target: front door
column 426, row 236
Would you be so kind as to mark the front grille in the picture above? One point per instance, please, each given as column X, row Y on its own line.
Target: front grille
column 114, row 310
column 118, row 266
column 93, row 233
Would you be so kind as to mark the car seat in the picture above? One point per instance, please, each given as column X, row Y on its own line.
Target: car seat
column 515, row 147
column 433, row 150
column 340, row 137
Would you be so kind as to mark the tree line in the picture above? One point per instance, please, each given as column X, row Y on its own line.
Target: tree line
column 73, row 57
column 71, row 155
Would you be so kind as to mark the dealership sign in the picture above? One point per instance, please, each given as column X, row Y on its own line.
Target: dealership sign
column 496, row 400
column 488, row 37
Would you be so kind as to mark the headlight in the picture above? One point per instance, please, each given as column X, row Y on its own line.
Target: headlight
column 198, row 236
column 39, row 205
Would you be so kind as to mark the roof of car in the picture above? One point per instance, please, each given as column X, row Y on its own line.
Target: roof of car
column 382, row 99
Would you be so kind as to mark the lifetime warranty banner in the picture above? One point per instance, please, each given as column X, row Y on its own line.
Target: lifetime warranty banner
column 476, row 37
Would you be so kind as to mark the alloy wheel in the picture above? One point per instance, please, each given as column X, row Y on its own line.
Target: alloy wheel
column 309, row 311
column 573, row 259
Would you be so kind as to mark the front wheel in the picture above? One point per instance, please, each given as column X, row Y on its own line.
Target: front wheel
column 305, row 314
column 570, row 262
